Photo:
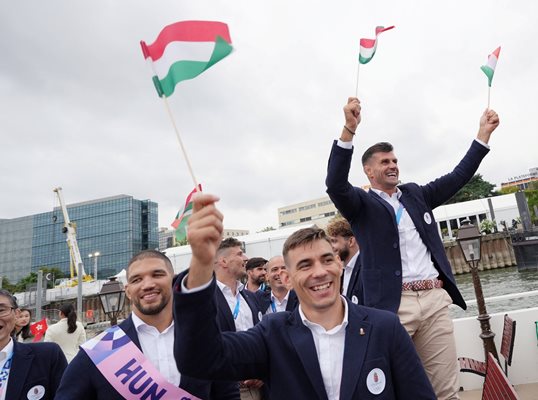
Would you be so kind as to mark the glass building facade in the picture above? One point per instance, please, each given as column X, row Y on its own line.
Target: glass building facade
column 117, row 227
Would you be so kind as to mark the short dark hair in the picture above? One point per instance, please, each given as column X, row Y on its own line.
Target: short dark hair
column 144, row 254
column 229, row 243
column 12, row 299
column 255, row 262
column 303, row 237
column 381, row 147
column 339, row 227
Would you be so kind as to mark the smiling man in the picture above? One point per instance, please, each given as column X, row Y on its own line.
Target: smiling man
column 150, row 332
column 280, row 297
column 404, row 265
column 28, row 370
column 327, row 348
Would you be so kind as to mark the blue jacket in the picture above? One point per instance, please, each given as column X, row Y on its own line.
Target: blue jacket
column 281, row 351
column 373, row 222
column 34, row 365
column 83, row 381
column 264, row 300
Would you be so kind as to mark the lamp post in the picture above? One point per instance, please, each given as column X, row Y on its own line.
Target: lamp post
column 112, row 298
column 470, row 241
column 94, row 255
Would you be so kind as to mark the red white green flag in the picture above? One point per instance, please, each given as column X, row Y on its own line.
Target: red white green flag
column 183, row 215
column 489, row 68
column 184, row 50
column 369, row 46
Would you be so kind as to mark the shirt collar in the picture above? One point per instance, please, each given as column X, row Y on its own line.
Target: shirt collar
column 384, row 195
column 223, row 286
column 353, row 260
column 141, row 325
column 7, row 350
column 313, row 325
column 275, row 299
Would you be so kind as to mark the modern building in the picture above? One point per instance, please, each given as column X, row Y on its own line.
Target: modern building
column 116, row 227
column 522, row 181
column 317, row 211
column 226, row 233
column 166, row 238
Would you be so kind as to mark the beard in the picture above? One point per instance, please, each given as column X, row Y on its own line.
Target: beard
column 152, row 309
column 344, row 254
column 260, row 280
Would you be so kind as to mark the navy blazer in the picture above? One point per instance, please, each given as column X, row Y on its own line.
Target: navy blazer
column 224, row 315
column 354, row 288
column 373, row 222
column 264, row 301
column 34, row 365
column 83, row 381
column 281, row 351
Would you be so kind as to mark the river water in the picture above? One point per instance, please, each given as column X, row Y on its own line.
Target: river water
column 497, row 282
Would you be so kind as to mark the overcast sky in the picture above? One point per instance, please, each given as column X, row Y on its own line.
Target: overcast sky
column 78, row 108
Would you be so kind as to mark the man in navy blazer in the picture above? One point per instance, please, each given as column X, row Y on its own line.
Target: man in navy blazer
column 328, row 348
column 280, row 297
column 404, row 266
column 36, row 368
column 149, row 276
column 346, row 246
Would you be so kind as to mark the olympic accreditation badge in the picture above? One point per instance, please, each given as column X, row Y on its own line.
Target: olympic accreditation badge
column 427, row 218
column 375, row 381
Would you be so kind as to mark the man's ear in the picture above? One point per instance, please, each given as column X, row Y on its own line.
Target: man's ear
column 285, row 279
column 367, row 170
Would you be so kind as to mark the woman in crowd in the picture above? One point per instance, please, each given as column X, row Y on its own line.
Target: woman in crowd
column 68, row 333
column 22, row 326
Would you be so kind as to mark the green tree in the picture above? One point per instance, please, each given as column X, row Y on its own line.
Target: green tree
column 32, row 278
column 267, row 229
column 476, row 188
column 6, row 284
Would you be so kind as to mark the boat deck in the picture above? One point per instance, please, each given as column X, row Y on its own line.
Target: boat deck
column 527, row 391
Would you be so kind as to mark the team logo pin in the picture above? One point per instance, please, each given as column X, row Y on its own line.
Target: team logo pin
column 260, row 315
column 375, row 381
column 36, row 393
column 427, row 218
column 354, row 299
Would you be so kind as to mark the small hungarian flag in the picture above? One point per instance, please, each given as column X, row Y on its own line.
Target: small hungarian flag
column 38, row 329
column 184, row 50
column 183, row 215
column 368, row 46
column 489, row 68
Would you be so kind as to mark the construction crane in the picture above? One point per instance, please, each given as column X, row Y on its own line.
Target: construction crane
column 70, row 230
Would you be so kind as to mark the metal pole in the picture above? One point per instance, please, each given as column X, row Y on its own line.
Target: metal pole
column 486, row 335
column 39, row 295
column 492, row 212
column 79, row 292
column 95, row 267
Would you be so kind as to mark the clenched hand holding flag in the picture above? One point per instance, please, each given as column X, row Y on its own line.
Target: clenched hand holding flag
column 183, row 215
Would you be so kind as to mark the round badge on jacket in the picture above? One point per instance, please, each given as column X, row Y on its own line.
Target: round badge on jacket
column 375, row 381
column 36, row 393
column 427, row 218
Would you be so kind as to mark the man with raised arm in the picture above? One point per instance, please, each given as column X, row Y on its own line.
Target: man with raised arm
column 327, row 348
column 404, row 266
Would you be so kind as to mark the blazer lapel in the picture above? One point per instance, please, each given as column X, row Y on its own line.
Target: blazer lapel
column 386, row 205
column 130, row 330
column 353, row 279
column 224, row 310
column 22, row 361
column 354, row 351
column 302, row 340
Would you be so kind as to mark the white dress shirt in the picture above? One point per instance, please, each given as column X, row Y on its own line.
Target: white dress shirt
column 330, row 350
column 348, row 271
column 279, row 305
column 158, row 348
column 416, row 258
column 4, row 354
column 244, row 320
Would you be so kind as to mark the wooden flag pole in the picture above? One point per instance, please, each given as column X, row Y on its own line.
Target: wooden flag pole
column 180, row 142
column 357, row 84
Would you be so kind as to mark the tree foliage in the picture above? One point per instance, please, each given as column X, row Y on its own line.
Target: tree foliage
column 31, row 278
column 476, row 188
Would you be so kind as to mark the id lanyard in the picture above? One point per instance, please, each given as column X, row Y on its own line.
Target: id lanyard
column 273, row 307
column 237, row 304
column 399, row 214
column 4, row 374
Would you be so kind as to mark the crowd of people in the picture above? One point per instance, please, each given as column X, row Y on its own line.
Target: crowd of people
column 358, row 310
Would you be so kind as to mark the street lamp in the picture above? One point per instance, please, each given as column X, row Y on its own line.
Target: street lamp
column 112, row 298
column 470, row 241
column 94, row 255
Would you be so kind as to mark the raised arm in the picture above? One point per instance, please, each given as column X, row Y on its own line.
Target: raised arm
column 352, row 114
column 488, row 123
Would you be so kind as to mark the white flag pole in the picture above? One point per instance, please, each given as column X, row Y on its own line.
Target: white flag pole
column 357, row 84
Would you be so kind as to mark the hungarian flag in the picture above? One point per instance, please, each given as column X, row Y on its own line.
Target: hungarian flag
column 183, row 215
column 369, row 46
column 184, row 50
column 489, row 68
column 38, row 329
